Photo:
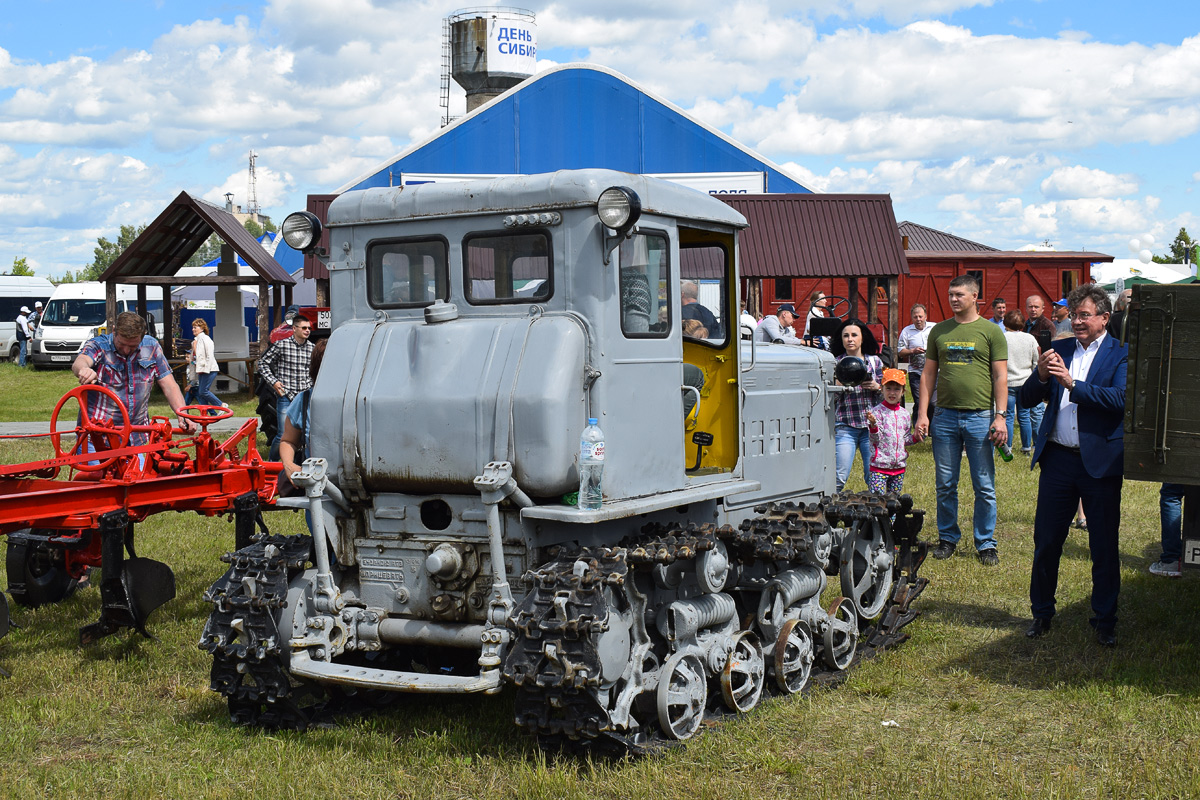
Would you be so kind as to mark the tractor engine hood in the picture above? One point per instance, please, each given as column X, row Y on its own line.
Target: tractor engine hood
column 419, row 408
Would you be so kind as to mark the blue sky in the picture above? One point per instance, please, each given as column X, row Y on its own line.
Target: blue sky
column 1011, row 122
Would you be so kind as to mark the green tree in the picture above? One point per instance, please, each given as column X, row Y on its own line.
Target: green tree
column 21, row 267
column 106, row 252
column 1183, row 249
column 208, row 251
column 253, row 227
column 268, row 226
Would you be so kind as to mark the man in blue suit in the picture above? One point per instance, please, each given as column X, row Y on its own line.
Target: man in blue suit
column 1081, row 449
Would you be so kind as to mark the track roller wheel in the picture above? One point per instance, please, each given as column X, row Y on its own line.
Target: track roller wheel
column 682, row 696
column 744, row 674
column 793, row 656
column 841, row 636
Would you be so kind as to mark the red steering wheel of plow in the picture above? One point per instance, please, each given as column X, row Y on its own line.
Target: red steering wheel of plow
column 203, row 415
column 100, row 434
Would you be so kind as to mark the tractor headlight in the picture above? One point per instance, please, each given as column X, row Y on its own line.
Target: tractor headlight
column 619, row 208
column 302, row 231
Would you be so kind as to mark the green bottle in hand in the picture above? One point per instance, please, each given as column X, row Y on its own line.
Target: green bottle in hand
column 1003, row 450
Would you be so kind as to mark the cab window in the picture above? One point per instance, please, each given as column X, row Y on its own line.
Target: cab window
column 407, row 273
column 507, row 268
column 644, row 280
column 703, row 293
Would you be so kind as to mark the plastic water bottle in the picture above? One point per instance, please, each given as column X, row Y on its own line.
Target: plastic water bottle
column 1004, row 451
column 591, row 466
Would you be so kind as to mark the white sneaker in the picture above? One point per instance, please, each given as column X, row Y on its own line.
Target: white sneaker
column 1166, row 569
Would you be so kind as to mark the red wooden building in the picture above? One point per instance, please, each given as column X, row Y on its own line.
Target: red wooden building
column 844, row 245
column 935, row 257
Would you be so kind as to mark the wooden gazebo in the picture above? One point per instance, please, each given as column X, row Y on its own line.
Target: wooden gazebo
column 154, row 258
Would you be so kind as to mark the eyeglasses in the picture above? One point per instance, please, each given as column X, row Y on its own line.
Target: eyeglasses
column 1082, row 316
column 306, row 328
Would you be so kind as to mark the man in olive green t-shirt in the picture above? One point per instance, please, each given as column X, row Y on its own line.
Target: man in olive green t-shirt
column 966, row 359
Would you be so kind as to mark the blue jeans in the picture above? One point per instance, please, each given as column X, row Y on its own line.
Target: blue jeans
column 281, row 407
column 1035, row 419
column 204, row 394
column 846, row 439
column 21, row 357
column 1023, row 420
column 1170, row 510
column 951, row 430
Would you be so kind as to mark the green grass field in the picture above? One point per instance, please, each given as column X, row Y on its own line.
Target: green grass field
column 981, row 711
column 29, row 395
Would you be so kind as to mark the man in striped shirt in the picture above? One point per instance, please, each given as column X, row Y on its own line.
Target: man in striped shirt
column 284, row 367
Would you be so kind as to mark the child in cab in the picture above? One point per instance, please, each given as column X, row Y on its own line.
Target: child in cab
column 890, row 429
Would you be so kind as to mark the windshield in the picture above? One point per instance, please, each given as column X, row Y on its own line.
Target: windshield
column 91, row 313
column 74, row 312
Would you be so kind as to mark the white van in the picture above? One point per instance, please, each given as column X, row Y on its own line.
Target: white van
column 17, row 291
column 74, row 314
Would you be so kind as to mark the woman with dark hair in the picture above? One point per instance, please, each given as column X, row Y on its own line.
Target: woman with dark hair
column 855, row 340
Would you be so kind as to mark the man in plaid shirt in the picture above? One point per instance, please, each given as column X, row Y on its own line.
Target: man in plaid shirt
column 128, row 362
column 284, row 367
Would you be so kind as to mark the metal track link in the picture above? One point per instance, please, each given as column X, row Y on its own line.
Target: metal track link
column 553, row 660
column 664, row 544
column 243, row 637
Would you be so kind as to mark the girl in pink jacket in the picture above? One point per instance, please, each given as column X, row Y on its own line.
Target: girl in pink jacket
column 890, row 428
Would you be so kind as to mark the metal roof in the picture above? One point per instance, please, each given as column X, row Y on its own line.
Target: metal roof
column 179, row 231
column 921, row 237
column 818, row 235
column 1008, row 255
column 576, row 116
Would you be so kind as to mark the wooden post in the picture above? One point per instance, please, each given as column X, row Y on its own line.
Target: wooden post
column 264, row 330
column 168, row 323
column 852, row 291
column 892, row 286
column 110, row 305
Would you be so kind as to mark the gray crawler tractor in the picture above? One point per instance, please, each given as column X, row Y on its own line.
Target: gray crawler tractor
column 476, row 328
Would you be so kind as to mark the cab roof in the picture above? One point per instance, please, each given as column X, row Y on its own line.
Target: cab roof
column 526, row 193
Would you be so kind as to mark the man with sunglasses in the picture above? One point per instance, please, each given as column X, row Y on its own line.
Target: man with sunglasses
column 1081, row 449
column 284, row 367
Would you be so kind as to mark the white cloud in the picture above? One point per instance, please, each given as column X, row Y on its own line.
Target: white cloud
column 932, row 89
column 1079, row 181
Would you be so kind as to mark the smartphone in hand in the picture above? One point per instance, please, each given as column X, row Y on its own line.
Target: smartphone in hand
column 1044, row 338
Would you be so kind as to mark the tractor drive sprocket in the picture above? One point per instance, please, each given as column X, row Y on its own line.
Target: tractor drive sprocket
column 243, row 636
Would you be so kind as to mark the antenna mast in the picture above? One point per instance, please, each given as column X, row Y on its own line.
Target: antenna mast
column 252, row 205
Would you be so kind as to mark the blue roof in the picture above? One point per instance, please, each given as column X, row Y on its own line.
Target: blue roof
column 577, row 116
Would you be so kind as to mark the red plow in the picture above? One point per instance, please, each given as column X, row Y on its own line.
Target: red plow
column 59, row 529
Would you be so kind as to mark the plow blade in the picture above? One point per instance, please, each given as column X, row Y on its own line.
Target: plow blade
column 143, row 585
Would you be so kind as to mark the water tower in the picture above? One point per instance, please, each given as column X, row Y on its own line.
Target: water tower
column 487, row 51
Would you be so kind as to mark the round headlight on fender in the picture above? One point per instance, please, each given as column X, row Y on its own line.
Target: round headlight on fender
column 619, row 208
column 302, row 231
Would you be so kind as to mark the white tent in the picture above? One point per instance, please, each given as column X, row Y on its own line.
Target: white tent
column 1126, row 268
